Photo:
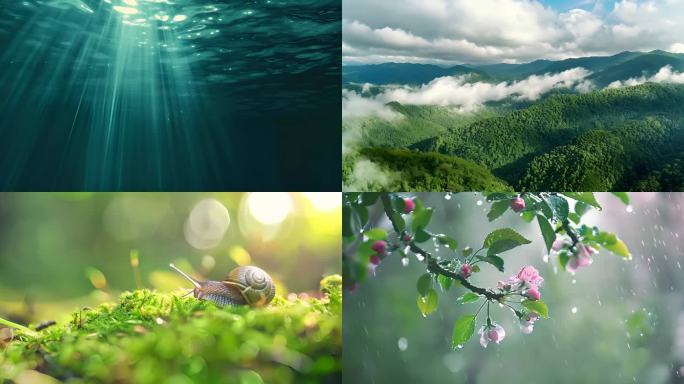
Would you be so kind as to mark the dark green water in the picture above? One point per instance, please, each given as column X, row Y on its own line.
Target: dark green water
column 170, row 95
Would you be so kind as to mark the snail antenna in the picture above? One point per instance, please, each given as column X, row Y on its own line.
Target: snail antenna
column 194, row 282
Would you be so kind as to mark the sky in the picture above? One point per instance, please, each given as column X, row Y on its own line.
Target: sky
column 505, row 31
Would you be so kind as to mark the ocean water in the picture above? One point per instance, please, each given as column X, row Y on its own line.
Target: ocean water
column 170, row 95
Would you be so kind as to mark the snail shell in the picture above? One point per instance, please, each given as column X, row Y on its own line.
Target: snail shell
column 246, row 285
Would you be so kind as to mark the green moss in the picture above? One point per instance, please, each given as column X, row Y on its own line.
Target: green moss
column 150, row 337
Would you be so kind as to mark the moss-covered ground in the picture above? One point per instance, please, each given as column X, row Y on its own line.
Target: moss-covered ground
column 151, row 337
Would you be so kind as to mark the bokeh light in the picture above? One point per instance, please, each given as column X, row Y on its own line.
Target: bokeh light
column 207, row 224
column 269, row 208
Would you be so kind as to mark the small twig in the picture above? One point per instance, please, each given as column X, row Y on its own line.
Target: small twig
column 20, row 327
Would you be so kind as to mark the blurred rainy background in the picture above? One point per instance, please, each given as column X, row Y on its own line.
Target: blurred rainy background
column 169, row 94
column 60, row 251
column 613, row 322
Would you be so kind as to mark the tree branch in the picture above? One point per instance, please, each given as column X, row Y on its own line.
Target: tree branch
column 434, row 267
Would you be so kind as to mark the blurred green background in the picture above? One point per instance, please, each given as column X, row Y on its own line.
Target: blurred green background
column 614, row 322
column 59, row 251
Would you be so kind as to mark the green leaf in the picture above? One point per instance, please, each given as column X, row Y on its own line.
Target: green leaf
column 502, row 246
column 504, row 234
column 463, row 330
column 369, row 198
column 421, row 219
column 584, row 197
column 398, row 222
column 537, row 306
column 498, row 209
column 619, row 248
column 563, row 259
column 575, row 218
column 424, row 284
column 623, row 196
column 376, row 234
column 581, row 208
column 528, row 216
column 445, row 282
column 611, row 242
column 448, row 241
column 493, row 260
column 428, row 303
column 469, row 297
column 547, row 231
column 467, row 251
column 559, row 207
column 421, row 236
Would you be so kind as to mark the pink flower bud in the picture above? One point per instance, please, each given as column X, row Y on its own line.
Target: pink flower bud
column 466, row 270
column 530, row 276
column 407, row 238
column 494, row 333
column 533, row 294
column 409, row 205
column 379, row 247
column 557, row 245
column 517, row 204
column 375, row 260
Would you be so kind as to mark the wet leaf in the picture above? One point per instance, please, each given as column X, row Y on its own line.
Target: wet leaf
column 424, row 284
column 428, row 303
column 468, row 297
column 547, row 232
column 376, row 234
column 499, row 207
column 584, row 197
column 463, row 330
column 538, row 307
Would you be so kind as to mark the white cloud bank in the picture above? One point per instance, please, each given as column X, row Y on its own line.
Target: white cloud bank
column 481, row 31
column 457, row 92
column 664, row 75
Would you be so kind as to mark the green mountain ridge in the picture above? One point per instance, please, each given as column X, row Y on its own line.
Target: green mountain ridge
column 605, row 69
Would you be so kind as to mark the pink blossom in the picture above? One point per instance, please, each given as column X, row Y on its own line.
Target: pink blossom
column 379, row 247
column 527, row 322
column 409, row 205
column 375, row 260
column 581, row 258
column 517, row 204
column 466, row 270
column 493, row 332
column 557, row 245
column 530, row 276
column 407, row 238
column 533, row 294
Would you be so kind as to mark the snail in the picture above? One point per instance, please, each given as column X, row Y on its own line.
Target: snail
column 246, row 285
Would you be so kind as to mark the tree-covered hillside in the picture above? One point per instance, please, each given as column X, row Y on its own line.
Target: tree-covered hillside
column 418, row 171
column 614, row 139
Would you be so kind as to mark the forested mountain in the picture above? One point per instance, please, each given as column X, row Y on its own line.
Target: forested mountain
column 403, row 73
column 605, row 69
column 614, row 139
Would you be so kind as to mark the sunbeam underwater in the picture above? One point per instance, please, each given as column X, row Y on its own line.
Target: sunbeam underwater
column 169, row 94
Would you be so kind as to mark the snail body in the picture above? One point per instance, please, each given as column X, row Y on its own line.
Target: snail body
column 245, row 285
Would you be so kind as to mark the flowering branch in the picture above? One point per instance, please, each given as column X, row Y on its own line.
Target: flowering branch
column 410, row 219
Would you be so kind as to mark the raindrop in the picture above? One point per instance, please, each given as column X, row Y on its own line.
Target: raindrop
column 573, row 310
column 405, row 261
column 629, row 209
column 545, row 258
column 479, row 202
column 420, row 257
column 574, row 281
column 402, row 343
column 447, row 196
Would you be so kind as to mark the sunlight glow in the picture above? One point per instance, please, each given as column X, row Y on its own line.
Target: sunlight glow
column 324, row 201
column 131, row 2
column 269, row 208
column 179, row 18
column 125, row 10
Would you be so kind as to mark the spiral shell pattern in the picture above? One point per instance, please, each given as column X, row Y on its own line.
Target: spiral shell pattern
column 255, row 285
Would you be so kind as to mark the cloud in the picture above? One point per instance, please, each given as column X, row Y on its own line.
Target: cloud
column 468, row 96
column 368, row 176
column 355, row 105
column 469, row 31
column 664, row 75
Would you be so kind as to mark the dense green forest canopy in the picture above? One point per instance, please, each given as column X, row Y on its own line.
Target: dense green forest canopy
column 614, row 139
